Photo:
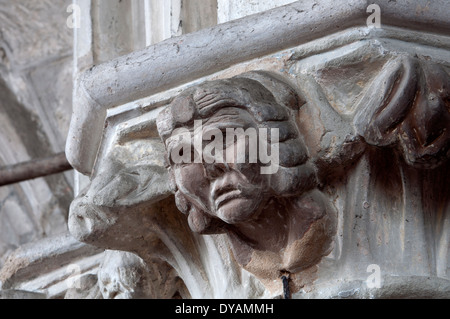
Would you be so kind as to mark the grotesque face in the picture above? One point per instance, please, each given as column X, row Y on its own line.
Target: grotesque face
column 232, row 185
column 221, row 180
column 231, row 189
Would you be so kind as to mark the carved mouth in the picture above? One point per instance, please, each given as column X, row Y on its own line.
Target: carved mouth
column 226, row 195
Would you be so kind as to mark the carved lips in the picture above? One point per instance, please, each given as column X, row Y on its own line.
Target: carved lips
column 226, row 189
column 226, row 196
column 233, row 198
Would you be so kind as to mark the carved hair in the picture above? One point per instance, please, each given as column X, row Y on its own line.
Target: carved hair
column 272, row 103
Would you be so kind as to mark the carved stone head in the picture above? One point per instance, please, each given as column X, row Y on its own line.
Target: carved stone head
column 238, row 162
column 217, row 192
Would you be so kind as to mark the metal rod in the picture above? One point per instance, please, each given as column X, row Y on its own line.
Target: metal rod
column 286, row 290
column 34, row 169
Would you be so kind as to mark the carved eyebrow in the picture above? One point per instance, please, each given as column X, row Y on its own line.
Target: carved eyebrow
column 205, row 97
column 231, row 120
column 210, row 106
column 222, row 127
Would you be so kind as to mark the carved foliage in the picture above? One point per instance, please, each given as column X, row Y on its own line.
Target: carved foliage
column 408, row 106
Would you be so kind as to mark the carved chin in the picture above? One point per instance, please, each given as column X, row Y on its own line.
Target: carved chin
column 237, row 210
column 305, row 236
column 300, row 257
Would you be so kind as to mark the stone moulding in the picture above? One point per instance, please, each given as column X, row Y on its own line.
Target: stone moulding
column 182, row 59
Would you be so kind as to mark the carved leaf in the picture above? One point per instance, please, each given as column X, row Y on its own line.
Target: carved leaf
column 425, row 135
column 134, row 185
column 387, row 102
column 407, row 105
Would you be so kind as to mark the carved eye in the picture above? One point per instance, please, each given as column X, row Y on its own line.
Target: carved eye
column 215, row 170
column 181, row 155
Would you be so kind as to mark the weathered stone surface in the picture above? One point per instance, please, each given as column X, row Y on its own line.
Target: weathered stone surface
column 398, row 287
column 126, row 276
column 50, row 266
column 368, row 192
column 234, row 9
column 33, row 31
column 357, row 208
column 17, row 294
